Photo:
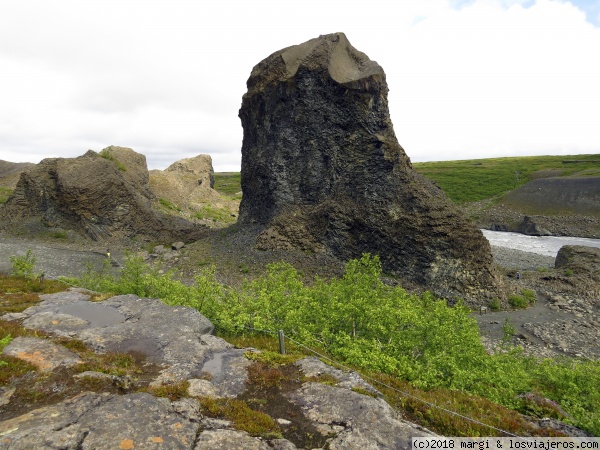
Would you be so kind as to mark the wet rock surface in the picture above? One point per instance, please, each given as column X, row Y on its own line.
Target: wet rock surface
column 322, row 171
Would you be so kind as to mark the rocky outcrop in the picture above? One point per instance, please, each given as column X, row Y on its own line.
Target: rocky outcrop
column 101, row 196
column 531, row 228
column 322, row 171
column 580, row 259
column 186, row 182
column 178, row 340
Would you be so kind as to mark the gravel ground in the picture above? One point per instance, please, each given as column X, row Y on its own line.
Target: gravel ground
column 520, row 260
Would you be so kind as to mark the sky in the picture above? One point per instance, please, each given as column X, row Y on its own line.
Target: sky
column 467, row 79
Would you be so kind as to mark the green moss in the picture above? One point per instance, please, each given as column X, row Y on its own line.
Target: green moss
column 244, row 418
column 173, row 391
column 272, row 359
column 106, row 155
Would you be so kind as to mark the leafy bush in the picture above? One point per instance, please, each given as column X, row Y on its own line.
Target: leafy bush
column 22, row 266
column 518, row 301
column 4, row 194
column 508, row 331
column 495, row 304
column 529, row 295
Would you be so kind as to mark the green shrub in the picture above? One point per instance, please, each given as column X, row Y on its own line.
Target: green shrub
column 518, row 301
column 529, row 295
column 4, row 194
column 495, row 304
column 22, row 266
column 568, row 272
column 508, row 331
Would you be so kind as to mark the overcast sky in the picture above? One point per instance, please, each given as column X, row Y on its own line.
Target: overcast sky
column 467, row 79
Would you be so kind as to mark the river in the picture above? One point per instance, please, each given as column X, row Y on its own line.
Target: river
column 542, row 245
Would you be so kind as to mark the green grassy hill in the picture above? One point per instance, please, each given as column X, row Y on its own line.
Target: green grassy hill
column 478, row 179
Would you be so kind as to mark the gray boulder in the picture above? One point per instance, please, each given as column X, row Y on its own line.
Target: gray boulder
column 580, row 259
column 365, row 422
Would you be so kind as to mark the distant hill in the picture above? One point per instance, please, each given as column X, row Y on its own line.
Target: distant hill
column 560, row 192
column 479, row 179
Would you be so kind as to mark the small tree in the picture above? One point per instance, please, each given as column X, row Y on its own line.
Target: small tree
column 22, row 266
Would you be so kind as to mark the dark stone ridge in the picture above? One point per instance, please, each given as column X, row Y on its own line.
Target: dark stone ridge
column 530, row 228
column 322, row 171
column 102, row 196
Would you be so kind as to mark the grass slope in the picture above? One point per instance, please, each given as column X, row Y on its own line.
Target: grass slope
column 478, row 179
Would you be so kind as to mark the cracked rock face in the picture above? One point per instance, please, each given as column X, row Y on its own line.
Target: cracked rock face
column 322, row 171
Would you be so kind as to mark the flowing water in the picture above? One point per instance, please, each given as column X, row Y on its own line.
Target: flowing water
column 542, row 245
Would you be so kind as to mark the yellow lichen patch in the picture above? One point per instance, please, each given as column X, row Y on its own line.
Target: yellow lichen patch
column 157, row 439
column 36, row 358
column 127, row 444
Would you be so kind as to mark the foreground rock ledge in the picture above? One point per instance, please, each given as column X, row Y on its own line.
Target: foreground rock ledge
column 178, row 339
column 322, row 171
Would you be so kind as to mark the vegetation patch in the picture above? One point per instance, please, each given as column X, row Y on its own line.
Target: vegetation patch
column 18, row 293
column 479, row 179
column 374, row 327
column 273, row 359
column 106, row 155
column 255, row 423
column 172, row 391
column 4, row 194
column 228, row 184
column 169, row 205
column 209, row 212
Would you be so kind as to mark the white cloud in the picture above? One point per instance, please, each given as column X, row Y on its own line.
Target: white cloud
column 475, row 78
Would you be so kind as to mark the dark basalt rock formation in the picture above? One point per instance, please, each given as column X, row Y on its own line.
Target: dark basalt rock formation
column 102, row 196
column 322, row 171
column 530, row 228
